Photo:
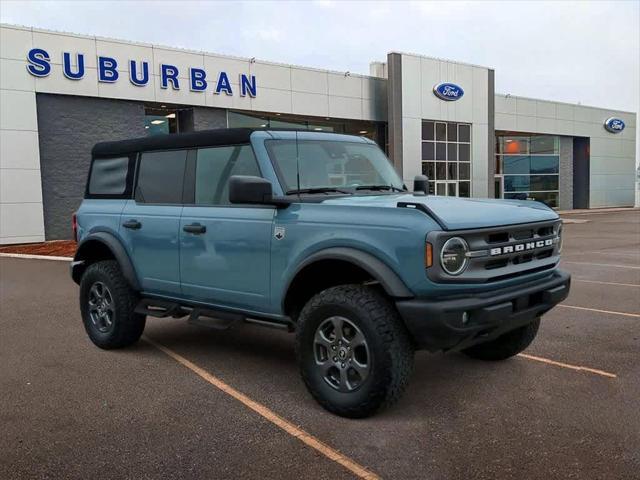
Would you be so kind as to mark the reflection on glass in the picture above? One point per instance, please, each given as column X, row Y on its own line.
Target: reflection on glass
column 464, row 152
column 427, row 131
column 452, row 171
column 452, row 152
column 452, row 132
column 516, row 164
column 545, row 164
column 464, row 189
column 464, row 133
column 428, row 151
column 545, row 144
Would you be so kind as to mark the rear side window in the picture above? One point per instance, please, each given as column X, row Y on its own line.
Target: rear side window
column 161, row 177
column 215, row 165
column 109, row 176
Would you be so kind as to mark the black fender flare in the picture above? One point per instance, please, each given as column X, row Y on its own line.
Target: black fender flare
column 119, row 253
column 380, row 271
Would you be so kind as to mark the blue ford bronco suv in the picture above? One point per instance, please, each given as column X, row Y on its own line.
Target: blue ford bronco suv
column 313, row 232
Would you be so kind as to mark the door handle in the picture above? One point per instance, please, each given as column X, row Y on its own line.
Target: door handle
column 195, row 228
column 132, row 224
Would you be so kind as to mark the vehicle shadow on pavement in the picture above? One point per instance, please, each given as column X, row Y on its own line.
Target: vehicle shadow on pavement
column 246, row 355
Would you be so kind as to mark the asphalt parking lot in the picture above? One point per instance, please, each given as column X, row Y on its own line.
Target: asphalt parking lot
column 170, row 407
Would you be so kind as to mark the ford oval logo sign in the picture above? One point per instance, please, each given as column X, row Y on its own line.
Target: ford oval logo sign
column 614, row 125
column 448, row 91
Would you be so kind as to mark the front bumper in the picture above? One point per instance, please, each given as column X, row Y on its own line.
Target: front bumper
column 437, row 324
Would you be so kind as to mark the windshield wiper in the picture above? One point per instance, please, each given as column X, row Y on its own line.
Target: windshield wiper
column 319, row 190
column 379, row 187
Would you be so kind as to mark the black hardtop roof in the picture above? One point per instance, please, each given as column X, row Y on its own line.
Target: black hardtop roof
column 221, row 136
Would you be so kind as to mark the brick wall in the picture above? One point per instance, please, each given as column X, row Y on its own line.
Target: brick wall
column 68, row 128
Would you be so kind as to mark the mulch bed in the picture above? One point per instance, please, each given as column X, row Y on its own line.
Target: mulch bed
column 56, row 248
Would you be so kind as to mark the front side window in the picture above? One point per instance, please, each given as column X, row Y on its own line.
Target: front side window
column 214, row 167
column 161, row 177
column 317, row 164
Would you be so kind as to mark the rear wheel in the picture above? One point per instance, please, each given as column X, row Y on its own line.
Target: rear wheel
column 355, row 355
column 506, row 345
column 107, row 305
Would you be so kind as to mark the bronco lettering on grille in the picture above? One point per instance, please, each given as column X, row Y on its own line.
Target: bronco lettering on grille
column 522, row 247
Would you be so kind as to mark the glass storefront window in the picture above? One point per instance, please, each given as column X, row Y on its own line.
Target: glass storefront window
column 529, row 167
column 545, row 164
column 515, row 164
column 446, row 157
column 545, row 144
column 371, row 130
column 158, row 121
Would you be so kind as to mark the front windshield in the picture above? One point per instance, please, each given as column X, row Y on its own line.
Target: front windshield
column 328, row 164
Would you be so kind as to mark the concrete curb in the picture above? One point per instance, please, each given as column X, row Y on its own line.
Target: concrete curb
column 35, row 257
column 592, row 211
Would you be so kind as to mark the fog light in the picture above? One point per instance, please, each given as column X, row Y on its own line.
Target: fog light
column 465, row 318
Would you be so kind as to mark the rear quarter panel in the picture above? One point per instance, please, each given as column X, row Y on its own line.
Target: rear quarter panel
column 99, row 216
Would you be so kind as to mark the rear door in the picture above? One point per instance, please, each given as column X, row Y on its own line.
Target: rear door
column 150, row 224
column 225, row 249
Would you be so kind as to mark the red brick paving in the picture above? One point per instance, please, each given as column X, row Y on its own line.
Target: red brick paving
column 57, row 248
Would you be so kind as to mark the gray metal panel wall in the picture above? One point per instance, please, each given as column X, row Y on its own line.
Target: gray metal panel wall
column 394, row 111
column 566, row 173
column 68, row 128
column 491, row 131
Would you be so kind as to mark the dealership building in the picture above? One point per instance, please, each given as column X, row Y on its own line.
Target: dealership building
column 62, row 93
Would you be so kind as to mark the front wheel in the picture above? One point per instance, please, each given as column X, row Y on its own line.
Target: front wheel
column 354, row 353
column 107, row 305
column 506, row 345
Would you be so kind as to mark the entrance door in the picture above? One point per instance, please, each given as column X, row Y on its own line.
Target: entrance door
column 225, row 249
column 150, row 224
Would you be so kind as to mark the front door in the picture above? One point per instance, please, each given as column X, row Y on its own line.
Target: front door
column 150, row 224
column 225, row 249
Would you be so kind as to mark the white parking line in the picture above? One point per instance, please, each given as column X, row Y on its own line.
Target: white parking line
column 602, row 264
column 568, row 365
column 574, row 279
column 306, row 438
column 610, row 312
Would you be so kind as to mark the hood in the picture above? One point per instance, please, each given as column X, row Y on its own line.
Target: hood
column 456, row 213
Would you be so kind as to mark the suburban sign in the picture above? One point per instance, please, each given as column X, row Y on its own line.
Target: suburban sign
column 448, row 91
column 614, row 125
column 73, row 68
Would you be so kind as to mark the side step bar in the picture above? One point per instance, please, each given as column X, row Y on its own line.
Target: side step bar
column 217, row 319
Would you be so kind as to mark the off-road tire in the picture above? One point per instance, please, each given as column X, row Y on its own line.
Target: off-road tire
column 127, row 326
column 391, row 351
column 506, row 345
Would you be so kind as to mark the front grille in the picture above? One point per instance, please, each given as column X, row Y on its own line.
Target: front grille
column 501, row 253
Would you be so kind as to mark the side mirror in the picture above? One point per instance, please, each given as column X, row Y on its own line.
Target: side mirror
column 421, row 184
column 253, row 190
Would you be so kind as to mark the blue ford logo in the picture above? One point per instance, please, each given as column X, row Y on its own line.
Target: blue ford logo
column 448, row 91
column 614, row 125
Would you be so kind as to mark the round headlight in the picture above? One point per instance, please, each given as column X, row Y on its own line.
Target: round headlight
column 453, row 256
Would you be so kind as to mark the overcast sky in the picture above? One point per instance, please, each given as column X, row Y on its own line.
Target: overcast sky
column 585, row 52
